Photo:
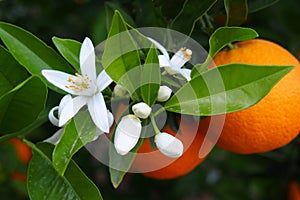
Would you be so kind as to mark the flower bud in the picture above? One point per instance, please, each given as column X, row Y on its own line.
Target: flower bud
column 141, row 110
column 164, row 93
column 119, row 90
column 168, row 145
column 127, row 134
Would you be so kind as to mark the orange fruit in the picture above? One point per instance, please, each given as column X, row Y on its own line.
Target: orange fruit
column 294, row 191
column 23, row 151
column 274, row 121
column 159, row 166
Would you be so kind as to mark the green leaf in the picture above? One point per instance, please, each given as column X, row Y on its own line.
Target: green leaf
column 256, row 5
column 69, row 49
column 190, row 13
column 11, row 72
column 225, row 35
column 77, row 133
column 150, row 77
column 236, row 11
column 121, row 59
column 22, row 105
column 44, row 182
column 219, row 39
column 31, row 52
column 226, row 89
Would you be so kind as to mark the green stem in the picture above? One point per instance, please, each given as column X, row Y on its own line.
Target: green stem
column 231, row 46
column 153, row 122
column 162, row 109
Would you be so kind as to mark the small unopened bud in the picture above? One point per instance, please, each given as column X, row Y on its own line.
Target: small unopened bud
column 141, row 110
column 168, row 145
column 164, row 93
column 119, row 90
column 127, row 134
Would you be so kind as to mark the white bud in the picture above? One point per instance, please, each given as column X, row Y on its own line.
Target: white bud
column 119, row 90
column 168, row 145
column 164, row 93
column 141, row 110
column 127, row 134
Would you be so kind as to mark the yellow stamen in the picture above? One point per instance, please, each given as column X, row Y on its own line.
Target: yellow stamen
column 187, row 53
column 80, row 82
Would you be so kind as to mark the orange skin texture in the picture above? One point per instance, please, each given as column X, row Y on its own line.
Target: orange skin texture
column 294, row 191
column 274, row 121
column 191, row 135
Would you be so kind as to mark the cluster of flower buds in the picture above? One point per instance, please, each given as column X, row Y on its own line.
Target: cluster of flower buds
column 129, row 129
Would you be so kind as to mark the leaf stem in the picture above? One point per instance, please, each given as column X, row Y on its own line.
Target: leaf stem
column 231, row 46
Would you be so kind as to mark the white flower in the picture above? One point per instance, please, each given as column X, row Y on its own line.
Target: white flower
column 173, row 65
column 65, row 101
column 54, row 139
column 127, row 134
column 86, row 86
column 119, row 90
column 168, row 145
column 164, row 93
column 141, row 110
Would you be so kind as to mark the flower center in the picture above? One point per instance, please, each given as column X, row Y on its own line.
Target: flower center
column 80, row 82
column 187, row 53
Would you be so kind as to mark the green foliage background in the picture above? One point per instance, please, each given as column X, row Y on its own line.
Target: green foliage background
column 223, row 175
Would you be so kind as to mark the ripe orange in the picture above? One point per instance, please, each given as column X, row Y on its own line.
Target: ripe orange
column 294, row 191
column 23, row 151
column 160, row 166
column 274, row 121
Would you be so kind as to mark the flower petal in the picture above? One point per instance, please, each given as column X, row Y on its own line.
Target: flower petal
column 55, row 138
column 63, row 102
column 178, row 60
column 103, row 80
column 164, row 93
column 110, row 122
column 164, row 61
column 52, row 117
column 71, row 109
column 161, row 48
column 98, row 112
column 168, row 145
column 141, row 110
column 59, row 79
column 186, row 73
column 87, row 59
column 127, row 134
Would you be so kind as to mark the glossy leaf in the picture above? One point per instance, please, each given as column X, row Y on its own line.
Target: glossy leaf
column 225, row 35
column 256, row 5
column 11, row 72
column 69, row 49
column 190, row 13
column 44, row 182
column 219, row 39
column 31, row 52
column 22, row 105
column 77, row 133
column 150, row 77
column 236, row 11
column 120, row 58
column 226, row 89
